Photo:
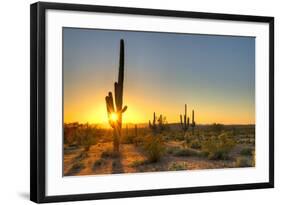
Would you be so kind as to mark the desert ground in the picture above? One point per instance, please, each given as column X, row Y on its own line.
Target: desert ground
column 88, row 149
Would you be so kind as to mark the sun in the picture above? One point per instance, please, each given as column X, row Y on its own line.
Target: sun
column 113, row 117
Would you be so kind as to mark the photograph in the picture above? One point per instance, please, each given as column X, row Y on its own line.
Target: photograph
column 139, row 101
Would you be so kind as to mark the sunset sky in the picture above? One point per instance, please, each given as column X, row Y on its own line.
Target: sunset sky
column 214, row 75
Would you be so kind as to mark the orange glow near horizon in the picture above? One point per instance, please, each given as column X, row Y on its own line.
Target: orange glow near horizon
column 213, row 75
column 141, row 112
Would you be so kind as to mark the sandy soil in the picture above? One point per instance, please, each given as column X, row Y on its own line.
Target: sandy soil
column 80, row 162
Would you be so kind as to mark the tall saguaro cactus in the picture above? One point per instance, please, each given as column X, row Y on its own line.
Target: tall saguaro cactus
column 115, row 108
column 184, row 120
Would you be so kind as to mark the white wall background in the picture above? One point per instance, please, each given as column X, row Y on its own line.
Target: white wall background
column 14, row 100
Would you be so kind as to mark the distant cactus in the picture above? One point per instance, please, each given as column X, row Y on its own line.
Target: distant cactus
column 161, row 123
column 193, row 122
column 184, row 120
column 157, row 124
column 115, row 108
column 152, row 125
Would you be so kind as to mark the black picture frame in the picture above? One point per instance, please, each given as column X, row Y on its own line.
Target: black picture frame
column 38, row 103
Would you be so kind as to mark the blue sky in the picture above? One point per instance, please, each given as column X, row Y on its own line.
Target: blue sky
column 214, row 75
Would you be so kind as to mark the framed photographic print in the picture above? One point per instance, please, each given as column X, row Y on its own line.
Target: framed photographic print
column 129, row 102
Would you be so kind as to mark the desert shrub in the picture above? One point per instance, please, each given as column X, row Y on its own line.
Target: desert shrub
column 186, row 152
column 217, row 128
column 243, row 162
column 203, row 154
column 88, row 137
column 81, row 134
column 138, row 140
column 109, row 154
column 219, row 148
column 246, row 151
column 187, row 140
column 70, row 133
column 179, row 137
column 218, row 155
column 171, row 150
column 154, row 148
column 195, row 144
column 176, row 166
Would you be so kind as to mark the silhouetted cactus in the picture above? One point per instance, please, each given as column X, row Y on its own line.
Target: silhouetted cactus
column 157, row 124
column 115, row 108
column 193, row 122
column 184, row 120
column 152, row 125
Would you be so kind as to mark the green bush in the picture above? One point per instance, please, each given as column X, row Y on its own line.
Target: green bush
column 171, row 150
column 195, row 144
column 154, row 148
column 186, row 152
column 218, row 155
column 246, row 151
column 219, row 148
